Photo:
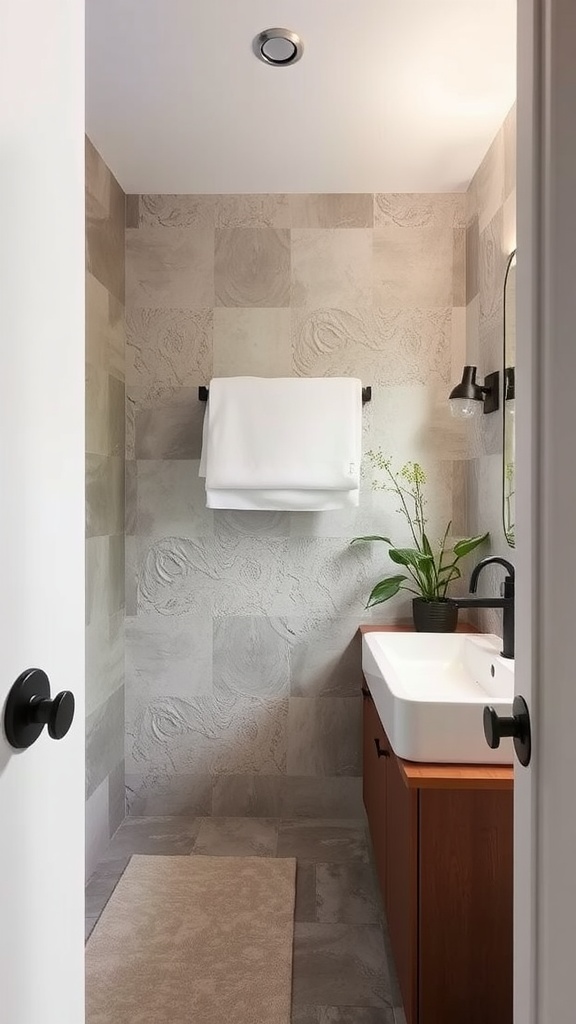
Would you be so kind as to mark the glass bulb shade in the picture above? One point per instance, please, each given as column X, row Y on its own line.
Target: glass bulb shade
column 464, row 408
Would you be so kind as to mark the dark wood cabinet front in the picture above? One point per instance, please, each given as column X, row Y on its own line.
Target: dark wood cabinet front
column 442, row 839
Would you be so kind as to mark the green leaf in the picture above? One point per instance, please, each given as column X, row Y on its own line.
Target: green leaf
column 385, row 589
column 426, row 546
column 375, row 537
column 411, row 556
column 464, row 547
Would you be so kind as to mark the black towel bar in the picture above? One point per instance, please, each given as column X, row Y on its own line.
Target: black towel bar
column 203, row 394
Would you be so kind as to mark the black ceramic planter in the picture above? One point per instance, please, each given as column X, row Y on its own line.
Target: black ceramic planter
column 434, row 616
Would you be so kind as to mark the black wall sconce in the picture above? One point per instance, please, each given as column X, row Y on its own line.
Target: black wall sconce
column 468, row 396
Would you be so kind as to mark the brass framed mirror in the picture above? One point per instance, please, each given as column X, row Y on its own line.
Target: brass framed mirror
column 509, row 403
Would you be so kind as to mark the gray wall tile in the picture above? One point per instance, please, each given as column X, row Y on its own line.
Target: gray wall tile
column 267, row 707
column 105, row 448
column 104, row 740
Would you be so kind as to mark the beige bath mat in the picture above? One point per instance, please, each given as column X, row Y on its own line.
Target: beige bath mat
column 194, row 940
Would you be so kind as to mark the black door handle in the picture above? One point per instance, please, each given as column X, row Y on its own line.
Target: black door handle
column 379, row 750
column 29, row 708
column 496, row 727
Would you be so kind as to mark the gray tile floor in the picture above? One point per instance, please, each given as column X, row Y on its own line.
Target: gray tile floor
column 342, row 974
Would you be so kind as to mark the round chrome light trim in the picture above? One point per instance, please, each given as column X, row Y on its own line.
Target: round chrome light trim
column 278, row 47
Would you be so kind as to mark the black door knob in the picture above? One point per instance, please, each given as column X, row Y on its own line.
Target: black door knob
column 29, row 708
column 496, row 727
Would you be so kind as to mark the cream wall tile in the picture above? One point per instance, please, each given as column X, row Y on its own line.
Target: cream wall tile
column 331, row 267
column 252, row 267
column 169, row 346
column 413, row 267
column 169, row 267
column 252, row 342
column 332, row 211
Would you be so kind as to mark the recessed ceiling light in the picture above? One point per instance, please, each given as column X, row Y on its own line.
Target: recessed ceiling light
column 278, row 47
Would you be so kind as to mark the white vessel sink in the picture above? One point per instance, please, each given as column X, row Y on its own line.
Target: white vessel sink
column 430, row 690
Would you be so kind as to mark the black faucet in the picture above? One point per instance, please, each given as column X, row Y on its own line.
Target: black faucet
column 506, row 601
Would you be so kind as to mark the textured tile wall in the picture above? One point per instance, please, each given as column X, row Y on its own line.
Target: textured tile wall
column 242, row 667
column 490, row 238
column 105, row 455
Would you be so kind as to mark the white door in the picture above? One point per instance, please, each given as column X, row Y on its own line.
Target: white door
column 545, row 794
column 42, row 501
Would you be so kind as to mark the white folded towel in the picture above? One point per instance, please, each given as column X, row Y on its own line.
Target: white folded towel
column 283, row 443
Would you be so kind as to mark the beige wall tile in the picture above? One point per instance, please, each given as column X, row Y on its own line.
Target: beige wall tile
column 105, row 332
column 97, row 430
column 458, row 342
column 169, row 267
column 420, row 210
column 472, row 244
column 164, row 423
column 413, row 267
column 105, row 216
column 459, row 268
column 252, row 267
column 252, row 342
column 510, row 152
column 104, row 495
column 491, row 270
column 332, row 211
column 253, row 211
column 186, row 211
column 382, row 346
column 168, row 346
column 133, row 211
column 488, row 182
column 116, row 417
column 331, row 267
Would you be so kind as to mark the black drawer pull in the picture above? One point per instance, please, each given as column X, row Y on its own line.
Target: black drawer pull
column 366, row 692
column 379, row 751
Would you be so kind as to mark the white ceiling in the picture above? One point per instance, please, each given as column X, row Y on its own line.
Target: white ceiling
column 390, row 95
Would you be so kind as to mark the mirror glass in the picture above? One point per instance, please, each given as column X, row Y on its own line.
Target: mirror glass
column 508, row 448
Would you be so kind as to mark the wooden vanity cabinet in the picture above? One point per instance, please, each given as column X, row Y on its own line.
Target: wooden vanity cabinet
column 442, row 840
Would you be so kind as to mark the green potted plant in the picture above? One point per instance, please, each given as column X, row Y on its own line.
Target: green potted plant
column 429, row 572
